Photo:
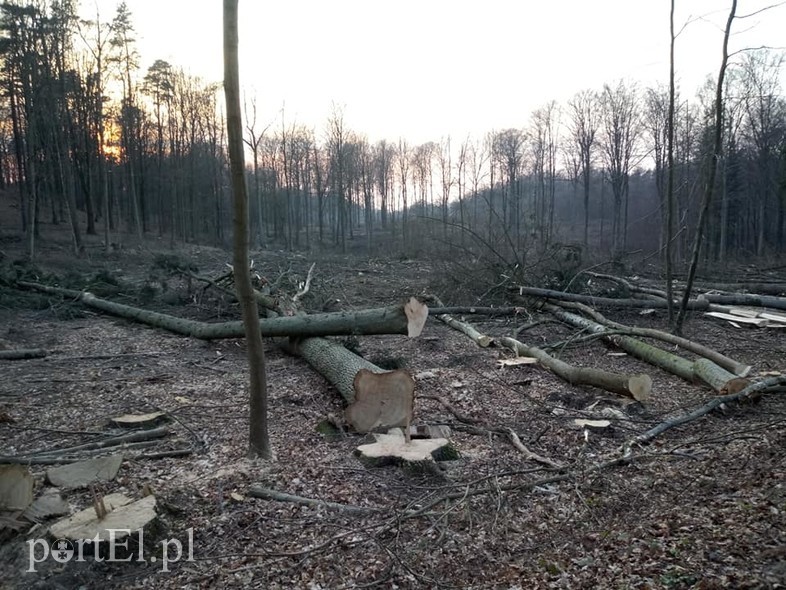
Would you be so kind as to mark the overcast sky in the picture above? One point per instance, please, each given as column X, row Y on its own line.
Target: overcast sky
column 423, row 69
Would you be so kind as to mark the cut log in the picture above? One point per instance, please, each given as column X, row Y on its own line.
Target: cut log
column 386, row 320
column 376, row 398
column 747, row 299
column 721, row 360
column 334, row 362
column 83, row 473
column 393, row 448
column 22, row 353
column 637, row 387
column 605, row 301
column 776, row 289
column 382, row 400
column 702, row 370
column 738, row 319
column 123, row 517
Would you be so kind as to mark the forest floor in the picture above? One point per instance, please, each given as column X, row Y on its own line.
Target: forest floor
column 703, row 506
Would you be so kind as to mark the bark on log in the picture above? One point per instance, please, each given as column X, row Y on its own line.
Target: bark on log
column 605, row 301
column 22, row 353
column 776, row 289
column 719, row 359
column 334, row 362
column 637, row 387
column 701, row 370
column 747, row 299
column 481, row 340
column 386, row 320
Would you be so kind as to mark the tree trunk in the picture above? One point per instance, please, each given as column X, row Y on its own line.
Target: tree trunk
column 637, row 387
column 723, row 361
column 703, row 370
column 259, row 441
column 600, row 301
column 400, row 319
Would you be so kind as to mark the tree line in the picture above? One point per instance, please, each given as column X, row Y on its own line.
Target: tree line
column 89, row 140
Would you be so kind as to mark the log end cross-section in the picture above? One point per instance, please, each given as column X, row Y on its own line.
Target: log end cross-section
column 417, row 314
column 382, row 400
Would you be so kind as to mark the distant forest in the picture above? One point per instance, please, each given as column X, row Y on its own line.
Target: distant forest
column 89, row 140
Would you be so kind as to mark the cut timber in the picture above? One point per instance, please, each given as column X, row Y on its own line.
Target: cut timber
column 382, row 400
column 376, row 398
column 417, row 314
column 386, row 320
column 702, row 369
column 139, row 420
column 746, row 299
column 739, row 369
column 334, row 362
column 777, row 289
column 393, row 448
column 83, row 473
column 123, row 517
column 605, row 301
column 773, row 317
column 16, row 487
column 739, row 319
column 22, row 353
column 637, row 387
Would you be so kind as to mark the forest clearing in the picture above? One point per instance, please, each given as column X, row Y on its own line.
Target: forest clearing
column 241, row 349
column 532, row 498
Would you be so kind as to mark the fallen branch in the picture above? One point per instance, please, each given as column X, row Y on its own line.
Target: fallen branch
column 529, row 455
column 268, row 494
column 747, row 392
column 123, row 439
column 481, row 340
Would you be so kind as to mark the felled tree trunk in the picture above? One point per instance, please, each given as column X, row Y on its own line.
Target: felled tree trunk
column 22, row 353
column 719, row 359
column 378, row 400
column 606, row 301
column 747, row 299
column 399, row 319
column 636, row 386
column 334, row 362
column 702, row 370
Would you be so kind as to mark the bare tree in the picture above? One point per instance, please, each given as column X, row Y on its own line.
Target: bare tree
column 259, row 442
column 583, row 110
column 253, row 139
column 444, row 161
column 710, row 186
column 620, row 133
column 384, row 154
column 403, row 163
column 764, row 109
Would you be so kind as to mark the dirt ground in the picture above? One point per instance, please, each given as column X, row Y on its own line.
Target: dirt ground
column 701, row 507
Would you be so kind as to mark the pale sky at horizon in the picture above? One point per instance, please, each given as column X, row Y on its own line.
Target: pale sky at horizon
column 423, row 69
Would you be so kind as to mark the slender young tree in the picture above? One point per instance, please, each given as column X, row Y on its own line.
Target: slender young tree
column 709, row 187
column 669, row 232
column 259, row 442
